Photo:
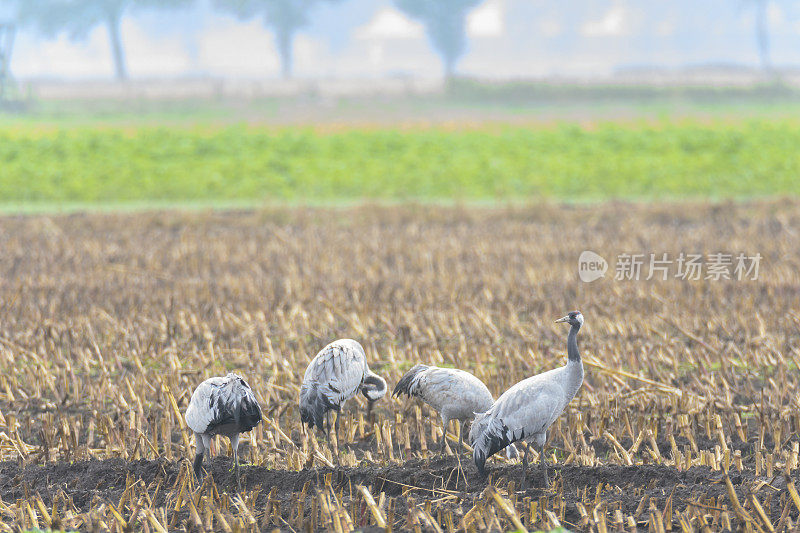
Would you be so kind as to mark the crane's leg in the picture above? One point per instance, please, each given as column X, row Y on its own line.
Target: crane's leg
column 235, row 446
column 445, row 422
column 206, row 442
column 333, row 443
column 198, row 457
column 336, row 432
column 543, row 465
column 461, row 426
column 523, row 484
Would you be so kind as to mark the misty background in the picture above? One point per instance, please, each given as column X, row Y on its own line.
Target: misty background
column 371, row 39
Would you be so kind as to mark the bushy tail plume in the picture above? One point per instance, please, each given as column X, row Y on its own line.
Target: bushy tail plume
column 488, row 436
column 249, row 413
column 312, row 407
column 409, row 383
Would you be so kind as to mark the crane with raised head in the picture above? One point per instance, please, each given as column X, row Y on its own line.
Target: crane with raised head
column 529, row 408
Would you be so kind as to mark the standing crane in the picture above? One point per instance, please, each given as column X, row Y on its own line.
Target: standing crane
column 454, row 394
column 336, row 374
column 526, row 410
column 221, row 406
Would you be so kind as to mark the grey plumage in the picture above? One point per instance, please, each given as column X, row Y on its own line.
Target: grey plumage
column 336, row 374
column 455, row 394
column 526, row 410
column 221, row 406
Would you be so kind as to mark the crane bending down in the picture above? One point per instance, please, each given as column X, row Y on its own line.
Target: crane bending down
column 221, row 406
column 455, row 394
column 336, row 374
column 526, row 410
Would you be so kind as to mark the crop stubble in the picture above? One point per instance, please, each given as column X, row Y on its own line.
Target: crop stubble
column 108, row 321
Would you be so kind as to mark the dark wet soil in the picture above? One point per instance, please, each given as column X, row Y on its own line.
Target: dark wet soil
column 90, row 483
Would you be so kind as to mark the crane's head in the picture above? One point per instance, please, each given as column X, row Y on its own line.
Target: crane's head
column 373, row 388
column 575, row 318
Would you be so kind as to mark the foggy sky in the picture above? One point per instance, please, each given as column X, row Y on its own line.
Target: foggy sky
column 370, row 38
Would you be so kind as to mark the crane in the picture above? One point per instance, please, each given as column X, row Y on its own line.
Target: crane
column 455, row 394
column 336, row 374
column 527, row 409
column 221, row 406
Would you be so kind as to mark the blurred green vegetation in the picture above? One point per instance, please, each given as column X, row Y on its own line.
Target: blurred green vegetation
column 642, row 160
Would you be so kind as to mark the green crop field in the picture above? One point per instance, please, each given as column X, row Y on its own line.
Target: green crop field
column 639, row 159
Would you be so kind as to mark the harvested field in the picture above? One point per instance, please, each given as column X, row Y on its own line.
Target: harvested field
column 688, row 417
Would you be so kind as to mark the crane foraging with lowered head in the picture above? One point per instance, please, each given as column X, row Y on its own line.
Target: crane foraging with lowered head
column 221, row 406
column 337, row 373
column 455, row 394
column 529, row 408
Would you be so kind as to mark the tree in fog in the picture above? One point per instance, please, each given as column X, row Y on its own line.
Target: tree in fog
column 6, row 42
column 762, row 33
column 445, row 23
column 78, row 17
column 8, row 11
column 284, row 17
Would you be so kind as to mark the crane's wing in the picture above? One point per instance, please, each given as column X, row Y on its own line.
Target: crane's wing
column 221, row 401
column 202, row 406
column 339, row 370
column 527, row 409
column 458, row 392
column 409, row 383
column 454, row 393
column 333, row 377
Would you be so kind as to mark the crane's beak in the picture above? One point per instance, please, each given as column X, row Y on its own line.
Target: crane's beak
column 562, row 319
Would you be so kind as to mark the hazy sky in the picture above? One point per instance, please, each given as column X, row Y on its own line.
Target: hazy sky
column 370, row 38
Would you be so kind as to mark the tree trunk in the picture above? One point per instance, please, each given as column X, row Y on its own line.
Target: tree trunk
column 449, row 64
column 7, row 32
column 762, row 34
column 448, row 36
column 120, row 69
column 284, row 38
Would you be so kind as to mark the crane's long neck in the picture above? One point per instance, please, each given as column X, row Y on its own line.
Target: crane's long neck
column 574, row 368
column 374, row 387
column 572, row 345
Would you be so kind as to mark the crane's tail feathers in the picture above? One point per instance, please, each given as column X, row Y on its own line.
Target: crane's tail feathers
column 249, row 413
column 488, row 436
column 409, row 383
column 313, row 407
column 480, row 462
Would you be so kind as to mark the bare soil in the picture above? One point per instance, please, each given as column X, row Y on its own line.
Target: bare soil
column 91, row 483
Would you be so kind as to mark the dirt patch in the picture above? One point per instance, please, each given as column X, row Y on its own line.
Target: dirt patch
column 88, row 484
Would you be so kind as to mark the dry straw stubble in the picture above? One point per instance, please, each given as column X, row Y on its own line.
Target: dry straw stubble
column 688, row 419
